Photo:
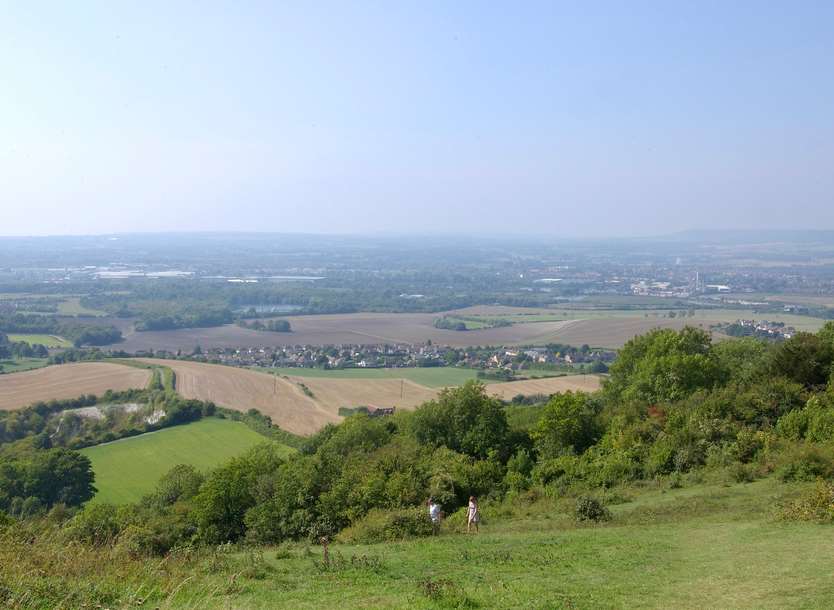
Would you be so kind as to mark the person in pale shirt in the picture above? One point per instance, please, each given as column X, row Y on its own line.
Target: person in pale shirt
column 434, row 513
column 473, row 516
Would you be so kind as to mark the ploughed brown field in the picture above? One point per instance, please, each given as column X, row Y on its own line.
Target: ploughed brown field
column 355, row 328
column 375, row 328
column 243, row 389
column 548, row 385
column 18, row 390
column 335, row 393
column 284, row 399
column 613, row 333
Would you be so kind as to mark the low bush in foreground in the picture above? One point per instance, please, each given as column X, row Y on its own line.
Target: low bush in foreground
column 384, row 525
column 589, row 508
column 815, row 505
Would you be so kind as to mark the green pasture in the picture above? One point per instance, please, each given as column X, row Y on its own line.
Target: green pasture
column 17, row 365
column 45, row 340
column 73, row 307
column 127, row 469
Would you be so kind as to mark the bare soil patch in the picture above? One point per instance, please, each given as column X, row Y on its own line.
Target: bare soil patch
column 18, row 390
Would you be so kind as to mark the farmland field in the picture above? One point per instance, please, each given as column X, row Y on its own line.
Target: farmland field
column 334, row 393
column 433, row 377
column 548, row 385
column 129, row 468
column 284, row 399
column 598, row 327
column 68, row 381
column 45, row 340
column 73, row 307
column 358, row 328
column 243, row 389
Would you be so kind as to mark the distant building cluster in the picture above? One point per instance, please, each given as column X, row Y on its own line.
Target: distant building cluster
column 757, row 328
column 399, row 356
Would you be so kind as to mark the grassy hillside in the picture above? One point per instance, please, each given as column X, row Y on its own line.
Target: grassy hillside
column 710, row 546
column 713, row 545
column 127, row 469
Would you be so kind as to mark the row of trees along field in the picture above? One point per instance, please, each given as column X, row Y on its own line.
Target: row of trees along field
column 675, row 402
column 77, row 332
column 20, row 349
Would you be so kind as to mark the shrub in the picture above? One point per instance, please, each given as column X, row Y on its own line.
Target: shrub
column 747, row 445
column 743, row 473
column 821, row 418
column 815, row 505
column 446, row 594
column 182, row 482
column 589, row 508
column 567, row 468
column 806, row 463
column 383, row 525
column 793, row 425
column 515, row 481
column 98, row 524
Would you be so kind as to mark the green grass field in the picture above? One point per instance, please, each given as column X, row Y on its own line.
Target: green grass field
column 73, row 307
column 18, row 365
column 433, row 377
column 45, row 340
column 127, row 469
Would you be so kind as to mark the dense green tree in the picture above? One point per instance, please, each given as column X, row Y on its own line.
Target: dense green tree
column 464, row 419
column 49, row 476
column 804, row 358
column 229, row 491
column 663, row 365
column 743, row 360
column 182, row 482
column 567, row 425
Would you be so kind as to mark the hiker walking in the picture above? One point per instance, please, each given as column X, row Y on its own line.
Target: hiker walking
column 434, row 514
column 473, row 516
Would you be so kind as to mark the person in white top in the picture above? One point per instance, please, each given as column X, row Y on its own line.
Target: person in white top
column 434, row 513
column 473, row 516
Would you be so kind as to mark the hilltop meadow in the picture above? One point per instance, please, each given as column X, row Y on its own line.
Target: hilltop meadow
column 700, row 474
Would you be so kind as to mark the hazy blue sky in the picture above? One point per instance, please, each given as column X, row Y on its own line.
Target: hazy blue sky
column 619, row 118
